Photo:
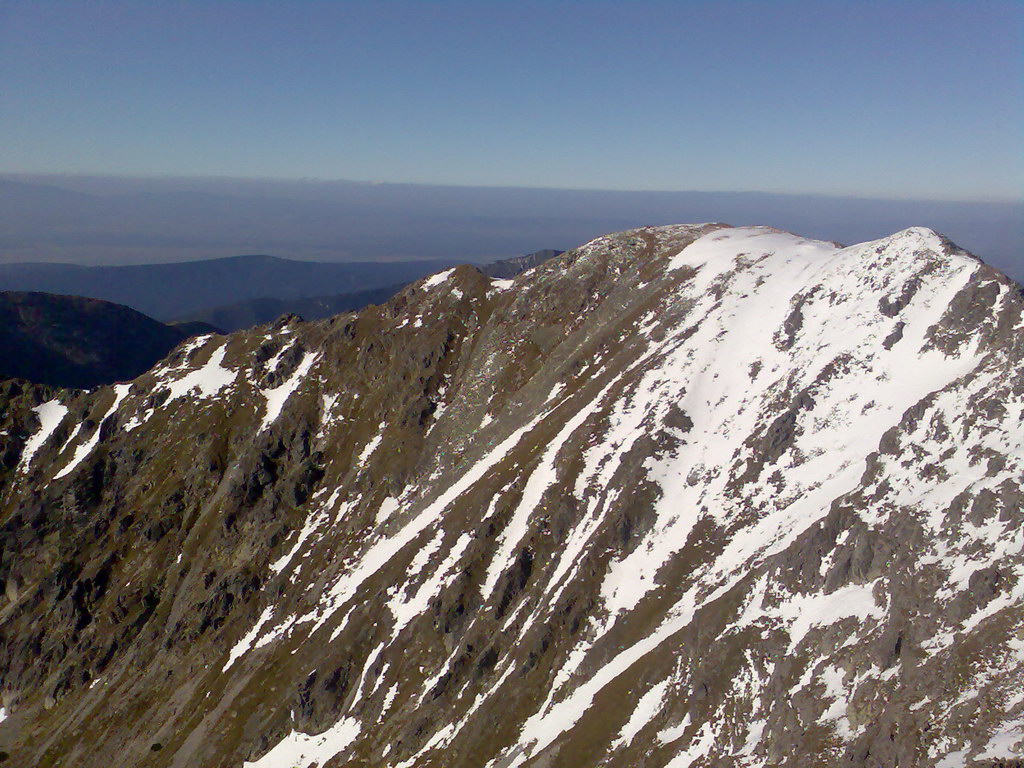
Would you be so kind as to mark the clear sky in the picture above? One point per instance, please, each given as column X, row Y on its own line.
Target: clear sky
column 888, row 99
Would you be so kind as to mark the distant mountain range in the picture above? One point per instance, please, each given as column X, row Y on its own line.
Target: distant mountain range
column 71, row 341
column 245, row 314
column 169, row 291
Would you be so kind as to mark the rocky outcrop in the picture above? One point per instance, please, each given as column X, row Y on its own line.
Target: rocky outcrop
column 685, row 495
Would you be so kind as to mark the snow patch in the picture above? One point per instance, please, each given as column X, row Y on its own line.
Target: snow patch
column 206, row 381
column 245, row 644
column 298, row 750
column 50, row 415
column 368, row 449
column 646, row 709
column 435, row 280
column 276, row 397
column 83, row 450
column 817, row 610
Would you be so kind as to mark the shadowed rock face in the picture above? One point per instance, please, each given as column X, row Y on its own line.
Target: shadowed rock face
column 686, row 495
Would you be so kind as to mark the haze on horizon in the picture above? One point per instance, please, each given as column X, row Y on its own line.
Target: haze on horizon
column 123, row 220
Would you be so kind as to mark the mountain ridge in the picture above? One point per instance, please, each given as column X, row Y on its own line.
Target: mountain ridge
column 684, row 495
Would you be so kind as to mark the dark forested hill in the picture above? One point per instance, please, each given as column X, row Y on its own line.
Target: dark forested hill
column 72, row 341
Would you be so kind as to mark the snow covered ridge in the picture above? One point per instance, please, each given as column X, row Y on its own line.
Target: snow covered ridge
column 685, row 496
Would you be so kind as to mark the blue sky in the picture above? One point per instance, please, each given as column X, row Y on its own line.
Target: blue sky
column 885, row 99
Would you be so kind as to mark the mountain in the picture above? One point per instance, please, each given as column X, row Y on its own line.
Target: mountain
column 246, row 314
column 683, row 496
column 70, row 341
column 169, row 291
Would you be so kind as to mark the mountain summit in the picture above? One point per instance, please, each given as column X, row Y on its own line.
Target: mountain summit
column 683, row 496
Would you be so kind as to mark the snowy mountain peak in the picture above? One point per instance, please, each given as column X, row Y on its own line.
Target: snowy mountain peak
column 684, row 496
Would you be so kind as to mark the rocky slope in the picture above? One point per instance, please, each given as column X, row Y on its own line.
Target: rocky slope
column 684, row 496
